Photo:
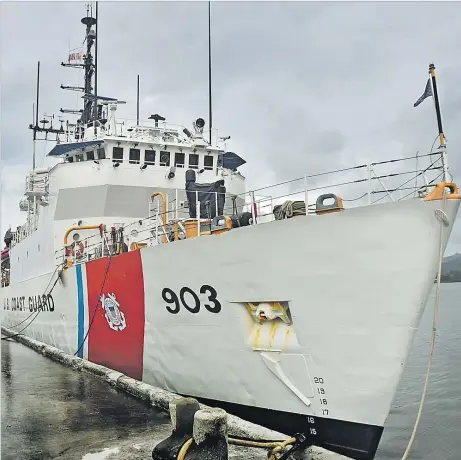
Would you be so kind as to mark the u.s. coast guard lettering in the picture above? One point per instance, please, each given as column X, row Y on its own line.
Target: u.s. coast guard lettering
column 115, row 318
column 190, row 300
column 42, row 302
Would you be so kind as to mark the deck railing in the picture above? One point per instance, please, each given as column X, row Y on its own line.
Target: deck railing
column 365, row 184
column 130, row 128
column 361, row 185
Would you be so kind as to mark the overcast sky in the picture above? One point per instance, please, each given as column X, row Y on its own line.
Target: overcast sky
column 301, row 87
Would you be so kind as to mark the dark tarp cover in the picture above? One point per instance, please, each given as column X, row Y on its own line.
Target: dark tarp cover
column 62, row 149
column 232, row 161
column 207, row 197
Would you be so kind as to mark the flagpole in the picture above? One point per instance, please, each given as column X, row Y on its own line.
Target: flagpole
column 210, row 116
column 443, row 145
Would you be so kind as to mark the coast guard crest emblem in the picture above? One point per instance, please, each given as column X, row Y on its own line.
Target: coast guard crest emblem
column 113, row 315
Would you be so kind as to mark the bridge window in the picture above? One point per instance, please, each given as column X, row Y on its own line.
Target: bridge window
column 79, row 157
column 164, row 158
column 179, row 159
column 101, row 153
column 135, row 155
column 193, row 161
column 149, row 157
column 90, row 155
column 117, row 154
column 70, row 159
column 208, row 162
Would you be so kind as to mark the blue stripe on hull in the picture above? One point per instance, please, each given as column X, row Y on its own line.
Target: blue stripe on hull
column 81, row 318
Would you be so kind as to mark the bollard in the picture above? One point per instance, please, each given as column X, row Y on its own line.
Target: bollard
column 182, row 414
column 210, row 435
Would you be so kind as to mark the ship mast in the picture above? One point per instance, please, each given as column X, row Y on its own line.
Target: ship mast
column 95, row 101
column 89, row 112
column 210, row 113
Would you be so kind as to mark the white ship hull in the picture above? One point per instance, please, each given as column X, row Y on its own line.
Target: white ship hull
column 349, row 289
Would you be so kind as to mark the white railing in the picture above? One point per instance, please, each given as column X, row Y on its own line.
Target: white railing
column 27, row 229
column 85, row 249
column 365, row 184
column 131, row 129
column 361, row 185
column 37, row 183
column 36, row 191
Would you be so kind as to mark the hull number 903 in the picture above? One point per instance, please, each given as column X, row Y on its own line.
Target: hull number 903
column 190, row 300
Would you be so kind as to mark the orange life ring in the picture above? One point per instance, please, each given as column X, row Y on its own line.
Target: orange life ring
column 77, row 249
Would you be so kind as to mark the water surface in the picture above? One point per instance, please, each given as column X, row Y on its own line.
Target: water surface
column 439, row 433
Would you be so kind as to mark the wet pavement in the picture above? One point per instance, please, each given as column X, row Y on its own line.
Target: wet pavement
column 50, row 411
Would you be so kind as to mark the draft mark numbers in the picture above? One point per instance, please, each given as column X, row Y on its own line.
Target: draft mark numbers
column 322, row 392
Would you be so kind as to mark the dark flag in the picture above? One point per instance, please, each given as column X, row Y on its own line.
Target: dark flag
column 427, row 93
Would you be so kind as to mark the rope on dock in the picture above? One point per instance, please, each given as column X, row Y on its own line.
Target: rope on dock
column 185, row 448
column 277, row 447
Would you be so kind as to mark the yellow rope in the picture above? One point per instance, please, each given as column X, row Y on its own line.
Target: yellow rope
column 185, row 448
column 269, row 445
column 434, row 330
column 276, row 446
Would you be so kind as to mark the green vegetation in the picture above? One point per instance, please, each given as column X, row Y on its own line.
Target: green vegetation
column 451, row 269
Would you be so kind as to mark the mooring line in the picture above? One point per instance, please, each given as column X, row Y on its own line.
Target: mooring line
column 433, row 337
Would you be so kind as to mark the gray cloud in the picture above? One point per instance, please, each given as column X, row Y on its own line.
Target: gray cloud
column 301, row 87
